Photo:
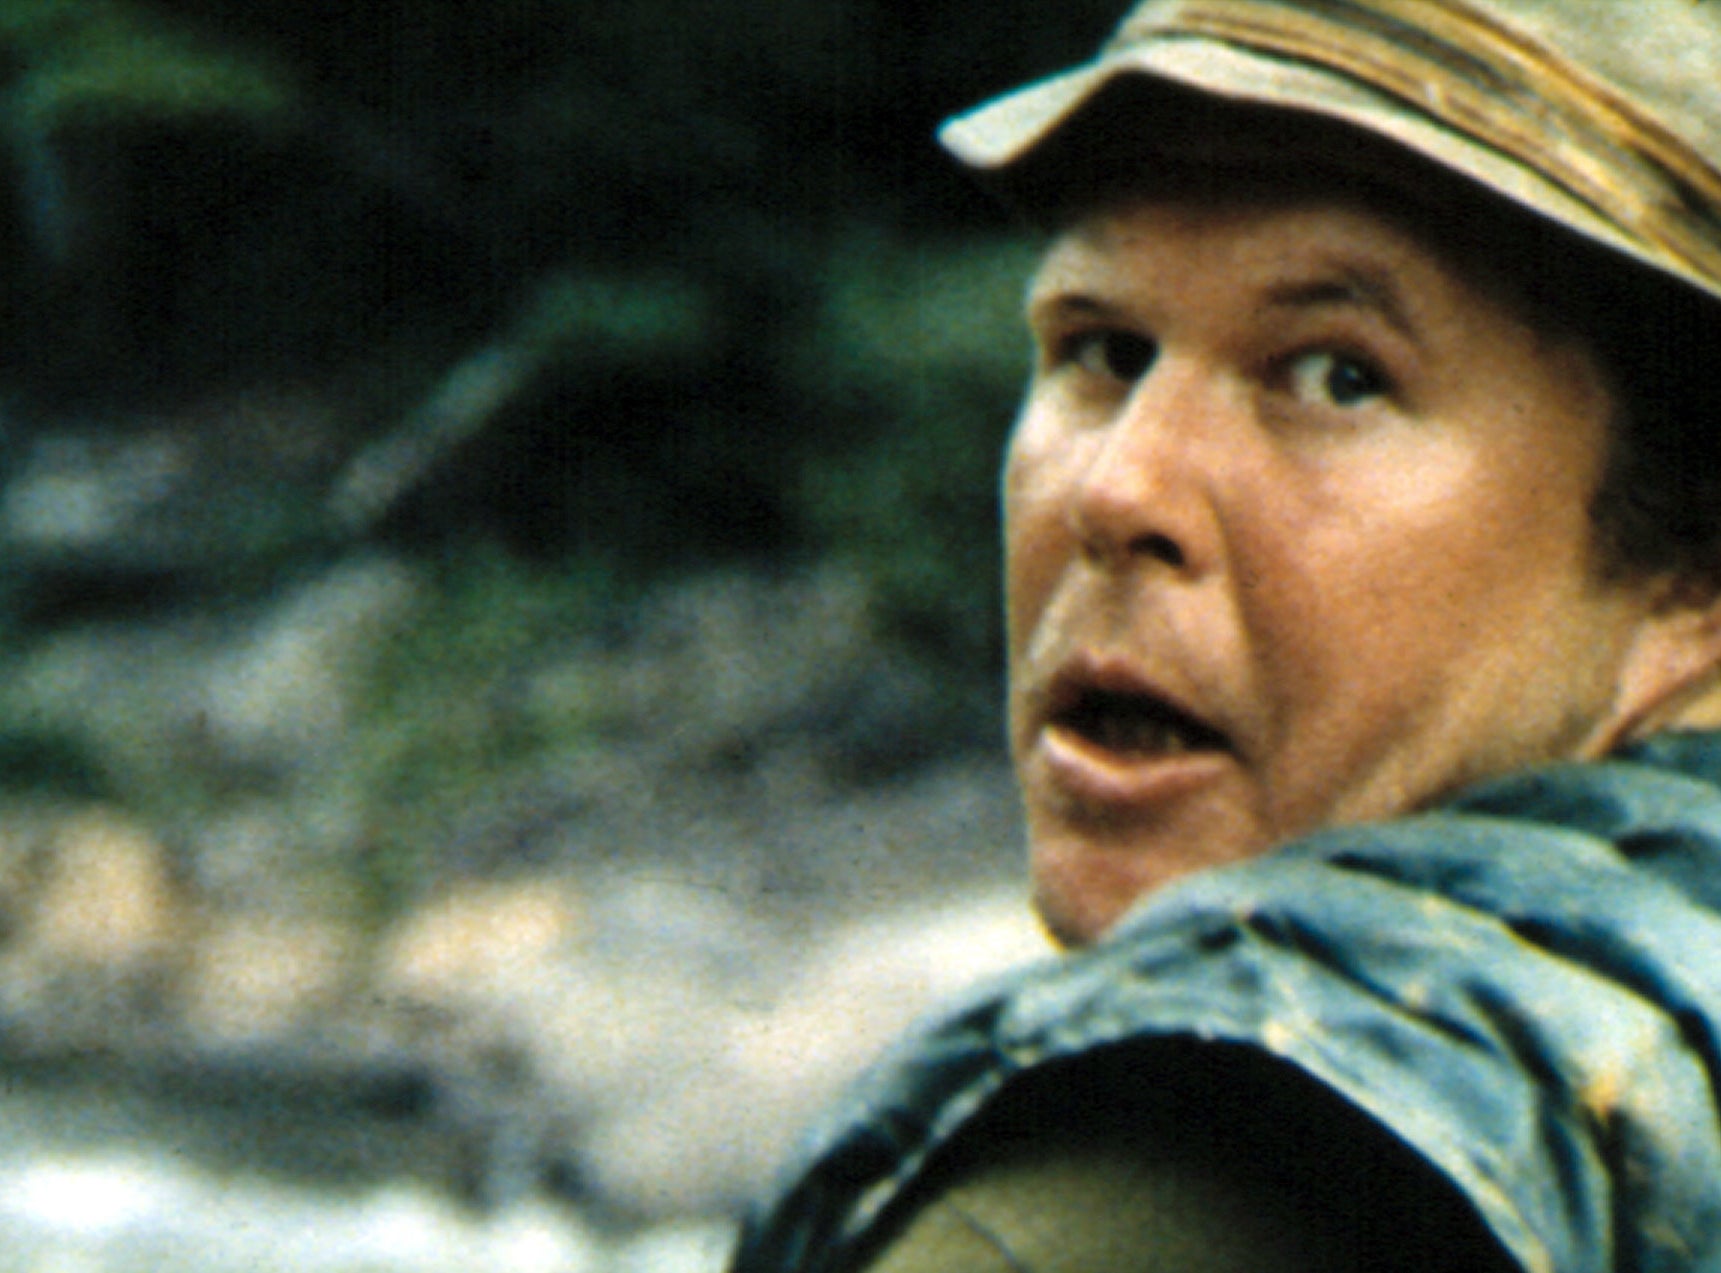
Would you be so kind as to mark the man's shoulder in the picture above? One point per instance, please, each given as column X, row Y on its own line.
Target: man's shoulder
column 1478, row 980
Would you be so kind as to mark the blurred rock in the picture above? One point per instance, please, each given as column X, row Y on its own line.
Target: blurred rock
column 91, row 956
column 106, row 898
column 633, row 965
column 761, row 1073
column 460, row 950
column 208, row 487
column 129, row 1208
column 256, row 979
column 86, row 493
column 281, row 695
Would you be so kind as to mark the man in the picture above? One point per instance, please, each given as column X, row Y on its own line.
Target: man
column 1364, row 560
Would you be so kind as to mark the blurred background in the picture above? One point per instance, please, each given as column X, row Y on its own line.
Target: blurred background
column 499, row 692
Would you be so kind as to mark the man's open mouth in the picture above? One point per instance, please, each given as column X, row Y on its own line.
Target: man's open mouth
column 1134, row 724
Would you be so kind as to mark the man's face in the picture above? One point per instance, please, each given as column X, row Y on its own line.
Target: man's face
column 1298, row 535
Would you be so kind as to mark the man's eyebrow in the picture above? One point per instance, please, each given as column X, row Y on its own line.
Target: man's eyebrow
column 1345, row 286
column 1064, row 303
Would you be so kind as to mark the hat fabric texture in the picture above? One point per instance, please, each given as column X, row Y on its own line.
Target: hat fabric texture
column 1603, row 115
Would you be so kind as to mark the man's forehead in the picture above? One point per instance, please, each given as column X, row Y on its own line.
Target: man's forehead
column 1397, row 222
column 1302, row 245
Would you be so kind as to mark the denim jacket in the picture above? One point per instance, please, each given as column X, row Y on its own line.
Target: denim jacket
column 1524, row 985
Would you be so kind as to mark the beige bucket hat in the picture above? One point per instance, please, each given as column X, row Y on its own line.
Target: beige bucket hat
column 1604, row 115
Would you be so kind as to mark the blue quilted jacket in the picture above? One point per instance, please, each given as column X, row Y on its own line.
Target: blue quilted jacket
column 1524, row 985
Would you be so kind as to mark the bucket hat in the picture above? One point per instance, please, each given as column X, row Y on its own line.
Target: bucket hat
column 1602, row 115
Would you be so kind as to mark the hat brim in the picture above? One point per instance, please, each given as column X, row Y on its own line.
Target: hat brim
column 1001, row 137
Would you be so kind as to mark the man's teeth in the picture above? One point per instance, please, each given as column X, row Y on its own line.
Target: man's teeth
column 1138, row 725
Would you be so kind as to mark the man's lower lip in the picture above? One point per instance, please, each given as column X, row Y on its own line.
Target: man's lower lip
column 1117, row 782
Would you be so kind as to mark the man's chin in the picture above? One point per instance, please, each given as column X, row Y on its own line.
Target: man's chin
column 1079, row 895
column 1086, row 879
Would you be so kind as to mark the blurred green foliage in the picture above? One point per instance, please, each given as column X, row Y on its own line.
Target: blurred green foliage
column 592, row 293
column 97, row 63
column 452, row 713
column 916, row 360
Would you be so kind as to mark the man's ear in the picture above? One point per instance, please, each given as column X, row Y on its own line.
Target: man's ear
column 1671, row 676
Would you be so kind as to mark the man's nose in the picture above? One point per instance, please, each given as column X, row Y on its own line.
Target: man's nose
column 1148, row 489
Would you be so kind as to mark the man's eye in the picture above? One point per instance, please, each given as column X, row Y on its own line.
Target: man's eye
column 1116, row 355
column 1336, row 378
